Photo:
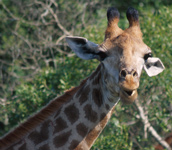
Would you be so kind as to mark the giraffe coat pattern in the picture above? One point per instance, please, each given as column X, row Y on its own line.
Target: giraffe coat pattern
column 75, row 120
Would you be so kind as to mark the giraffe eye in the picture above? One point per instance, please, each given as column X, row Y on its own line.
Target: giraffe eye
column 147, row 56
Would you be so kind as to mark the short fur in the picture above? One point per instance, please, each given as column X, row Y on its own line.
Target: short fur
column 113, row 18
column 112, row 14
column 38, row 118
column 133, row 16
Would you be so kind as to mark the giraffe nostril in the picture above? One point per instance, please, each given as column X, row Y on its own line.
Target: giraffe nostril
column 123, row 73
column 135, row 74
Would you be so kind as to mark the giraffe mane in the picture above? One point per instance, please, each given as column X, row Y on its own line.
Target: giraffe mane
column 17, row 133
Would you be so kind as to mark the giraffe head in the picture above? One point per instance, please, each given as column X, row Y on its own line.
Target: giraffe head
column 123, row 55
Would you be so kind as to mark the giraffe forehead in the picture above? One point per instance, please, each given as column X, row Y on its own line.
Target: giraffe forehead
column 125, row 52
column 125, row 45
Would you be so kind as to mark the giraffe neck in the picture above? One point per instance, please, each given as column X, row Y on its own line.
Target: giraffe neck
column 78, row 122
column 98, row 105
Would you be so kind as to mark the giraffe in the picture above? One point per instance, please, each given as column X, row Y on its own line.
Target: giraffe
column 75, row 119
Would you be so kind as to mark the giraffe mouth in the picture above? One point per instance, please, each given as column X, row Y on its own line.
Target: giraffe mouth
column 128, row 96
column 129, row 92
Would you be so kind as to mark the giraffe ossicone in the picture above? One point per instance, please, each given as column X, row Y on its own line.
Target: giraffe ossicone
column 74, row 120
column 123, row 54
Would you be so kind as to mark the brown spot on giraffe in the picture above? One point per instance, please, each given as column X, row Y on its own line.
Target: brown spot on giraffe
column 34, row 136
column 62, row 139
column 73, row 144
column 23, row 147
column 72, row 113
column 12, row 146
column 107, row 107
column 95, row 73
column 102, row 116
column 60, row 125
column 44, row 147
column 90, row 114
column 83, row 98
column 97, row 78
column 58, row 113
column 97, row 97
column 82, row 129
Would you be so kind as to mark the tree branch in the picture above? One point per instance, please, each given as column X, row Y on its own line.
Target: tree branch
column 58, row 22
column 147, row 126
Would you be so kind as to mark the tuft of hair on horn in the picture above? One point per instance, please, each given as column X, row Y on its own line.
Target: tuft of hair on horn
column 113, row 15
column 112, row 29
column 133, row 17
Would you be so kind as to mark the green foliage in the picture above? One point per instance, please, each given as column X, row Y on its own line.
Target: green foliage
column 114, row 136
column 158, row 36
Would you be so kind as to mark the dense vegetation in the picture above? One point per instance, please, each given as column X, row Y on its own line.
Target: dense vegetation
column 36, row 65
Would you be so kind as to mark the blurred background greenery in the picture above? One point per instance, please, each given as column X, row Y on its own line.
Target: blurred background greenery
column 36, row 64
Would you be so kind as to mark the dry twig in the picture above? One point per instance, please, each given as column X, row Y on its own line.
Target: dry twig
column 147, row 126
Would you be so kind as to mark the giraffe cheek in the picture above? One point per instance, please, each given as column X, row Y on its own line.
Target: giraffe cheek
column 128, row 99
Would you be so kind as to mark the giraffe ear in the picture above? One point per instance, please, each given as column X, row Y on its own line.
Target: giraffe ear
column 85, row 49
column 153, row 66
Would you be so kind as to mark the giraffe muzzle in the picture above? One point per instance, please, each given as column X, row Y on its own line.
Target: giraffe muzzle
column 129, row 83
column 128, row 97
